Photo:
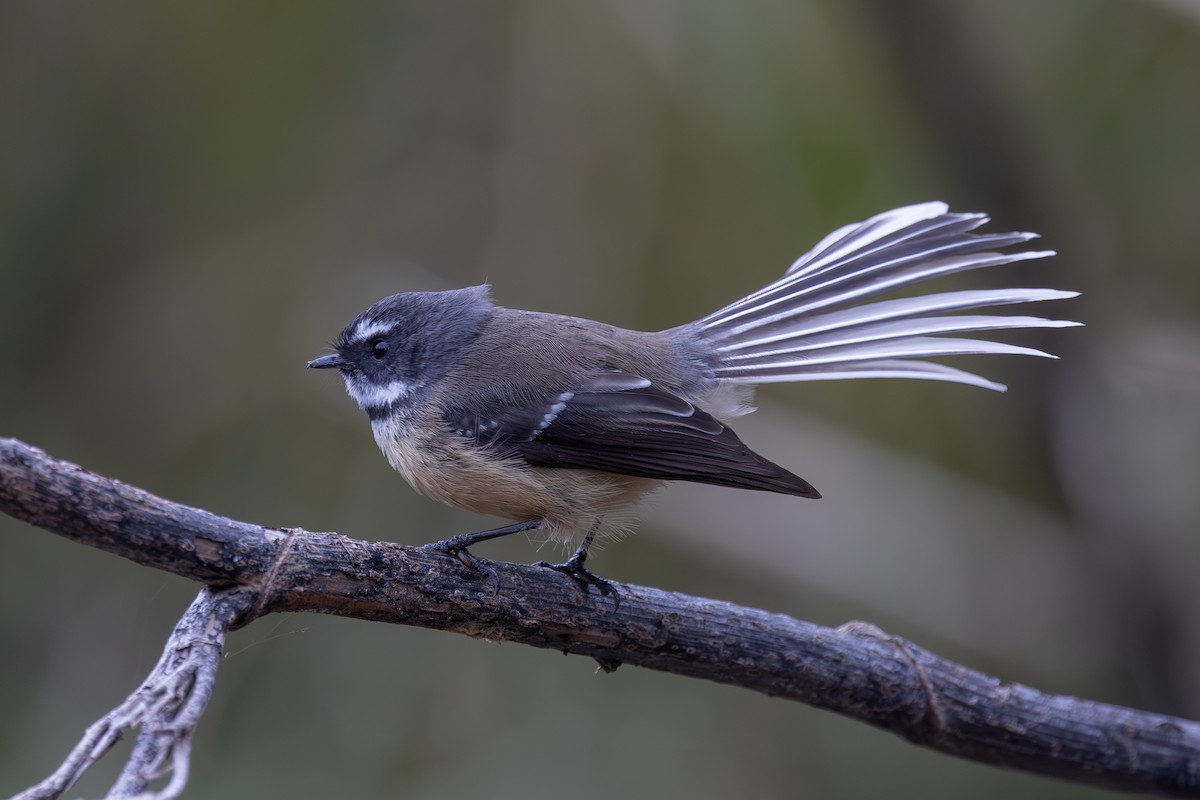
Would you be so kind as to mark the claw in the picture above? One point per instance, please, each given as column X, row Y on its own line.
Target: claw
column 573, row 567
column 468, row 559
column 457, row 547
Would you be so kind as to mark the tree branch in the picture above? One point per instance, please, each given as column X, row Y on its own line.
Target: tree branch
column 856, row 670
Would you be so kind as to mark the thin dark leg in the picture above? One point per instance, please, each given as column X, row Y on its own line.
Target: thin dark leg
column 457, row 545
column 574, row 567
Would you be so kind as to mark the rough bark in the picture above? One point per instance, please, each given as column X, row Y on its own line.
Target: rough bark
column 856, row 670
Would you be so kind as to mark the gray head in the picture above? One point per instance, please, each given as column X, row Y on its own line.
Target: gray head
column 396, row 348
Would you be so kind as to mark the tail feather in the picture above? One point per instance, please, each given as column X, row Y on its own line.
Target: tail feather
column 884, row 368
column 891, row 319
column 923, row 221
column 805, row 292
column 807, row 326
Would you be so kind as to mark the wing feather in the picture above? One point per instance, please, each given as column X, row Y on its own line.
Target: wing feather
column 624, row 424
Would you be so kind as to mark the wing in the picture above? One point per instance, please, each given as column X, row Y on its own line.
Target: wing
column 625, row 424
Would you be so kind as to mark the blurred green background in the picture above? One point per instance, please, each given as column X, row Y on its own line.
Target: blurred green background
column 194, row 198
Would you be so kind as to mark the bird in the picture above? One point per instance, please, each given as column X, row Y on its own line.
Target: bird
column 561, row 423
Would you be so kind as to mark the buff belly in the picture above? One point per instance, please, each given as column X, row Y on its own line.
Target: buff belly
column 571, row 501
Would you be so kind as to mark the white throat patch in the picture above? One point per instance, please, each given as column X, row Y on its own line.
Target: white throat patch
column 370, row 395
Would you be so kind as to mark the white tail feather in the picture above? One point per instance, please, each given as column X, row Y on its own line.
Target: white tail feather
column 805, row 325
column 920, row 370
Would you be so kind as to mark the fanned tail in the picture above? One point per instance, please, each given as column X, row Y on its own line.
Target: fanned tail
column 811, row 324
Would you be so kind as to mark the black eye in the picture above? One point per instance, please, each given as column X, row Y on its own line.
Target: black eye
column 379, row 348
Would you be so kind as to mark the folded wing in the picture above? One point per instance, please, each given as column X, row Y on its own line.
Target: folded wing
column 622, row 423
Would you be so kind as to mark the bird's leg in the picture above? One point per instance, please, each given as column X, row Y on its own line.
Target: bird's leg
column 574, row 567
column 457, row 545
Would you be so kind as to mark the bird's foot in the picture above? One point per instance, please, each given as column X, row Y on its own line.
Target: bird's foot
column 573, row 567
column 457, row 547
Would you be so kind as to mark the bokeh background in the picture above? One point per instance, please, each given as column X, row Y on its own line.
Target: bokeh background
column 194, row 198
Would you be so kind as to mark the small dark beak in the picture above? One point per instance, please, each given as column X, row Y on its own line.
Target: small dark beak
column 328, row 362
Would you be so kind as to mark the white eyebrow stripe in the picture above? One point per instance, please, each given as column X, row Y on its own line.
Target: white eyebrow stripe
column 369, row 395
column 368, row 328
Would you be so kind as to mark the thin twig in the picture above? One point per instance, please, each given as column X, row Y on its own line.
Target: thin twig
column 167, row 706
